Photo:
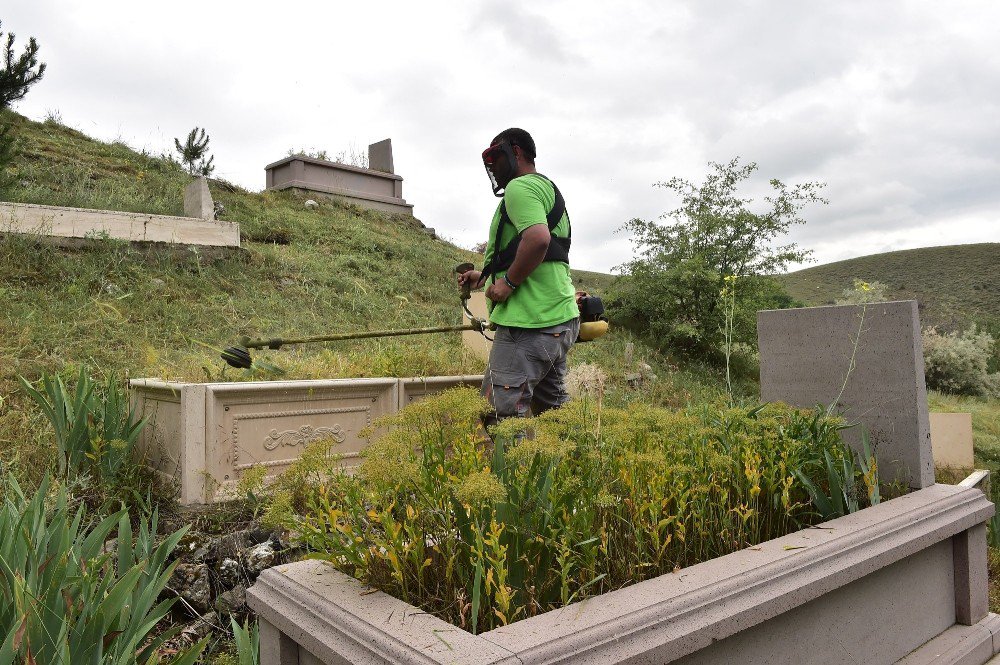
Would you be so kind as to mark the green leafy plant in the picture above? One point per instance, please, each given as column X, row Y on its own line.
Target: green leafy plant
column 247, row 639
column 67, row 598
column 842, row 493
column 673, row 289
column 958, row 362
column 557, row 508
column 95, row 431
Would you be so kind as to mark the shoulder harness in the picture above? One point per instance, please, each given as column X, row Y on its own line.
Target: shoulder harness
column 558, row 247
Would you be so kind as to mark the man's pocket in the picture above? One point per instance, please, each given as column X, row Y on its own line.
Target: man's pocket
column 507, row 392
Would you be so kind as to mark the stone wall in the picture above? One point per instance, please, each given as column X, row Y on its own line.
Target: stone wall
column 62, row 222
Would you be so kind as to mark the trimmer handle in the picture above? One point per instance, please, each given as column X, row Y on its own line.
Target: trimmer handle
column 463, row 268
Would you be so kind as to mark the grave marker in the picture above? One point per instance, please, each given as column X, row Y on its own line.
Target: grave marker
column 871, row 357
column 198, row 200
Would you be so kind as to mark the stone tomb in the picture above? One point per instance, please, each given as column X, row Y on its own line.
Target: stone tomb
column 865, row 360
column 377, row 187
column 203, row 436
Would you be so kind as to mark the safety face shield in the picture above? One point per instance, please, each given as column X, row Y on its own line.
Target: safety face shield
column 499, row 173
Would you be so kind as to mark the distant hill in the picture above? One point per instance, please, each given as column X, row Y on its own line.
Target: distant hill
column 955, row 285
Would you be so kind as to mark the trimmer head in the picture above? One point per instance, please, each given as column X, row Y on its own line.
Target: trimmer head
column 237, row 356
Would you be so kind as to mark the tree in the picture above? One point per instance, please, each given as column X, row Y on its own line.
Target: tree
column 193, row 152
column 673, row 288
column 18, row 73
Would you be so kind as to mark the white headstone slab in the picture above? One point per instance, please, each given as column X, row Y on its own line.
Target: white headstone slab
column 198, row 200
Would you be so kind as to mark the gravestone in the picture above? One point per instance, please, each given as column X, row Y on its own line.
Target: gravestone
column 951, row 440
column 380, row 156
column 867, row 362
column 198, row 200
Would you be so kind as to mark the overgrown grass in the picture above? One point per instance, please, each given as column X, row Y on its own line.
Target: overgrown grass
column 484, row 533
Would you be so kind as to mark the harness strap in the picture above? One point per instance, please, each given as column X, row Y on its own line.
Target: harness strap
column 558, row 247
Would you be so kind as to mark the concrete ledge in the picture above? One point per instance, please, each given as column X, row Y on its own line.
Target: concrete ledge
column 318, row 607
column 959, row 645
column 64, row 222
column 746, row 597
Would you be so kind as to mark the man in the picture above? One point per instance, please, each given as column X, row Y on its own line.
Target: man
column 529, row 288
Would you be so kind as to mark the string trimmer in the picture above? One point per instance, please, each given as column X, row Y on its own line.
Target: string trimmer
column 239, row 356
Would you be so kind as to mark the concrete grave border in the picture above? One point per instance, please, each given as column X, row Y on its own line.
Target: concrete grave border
column 198, row 433
column 81, row 223
column 790, row 600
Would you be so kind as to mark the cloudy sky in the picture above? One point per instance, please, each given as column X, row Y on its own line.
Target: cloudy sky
column 895, row 104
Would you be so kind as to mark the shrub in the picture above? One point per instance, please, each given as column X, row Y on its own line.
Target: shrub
column 571, row 504
column 864, row 293
column 66, row 598
column 958, row 362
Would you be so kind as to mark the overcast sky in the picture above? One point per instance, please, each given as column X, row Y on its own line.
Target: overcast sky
column 894, row 104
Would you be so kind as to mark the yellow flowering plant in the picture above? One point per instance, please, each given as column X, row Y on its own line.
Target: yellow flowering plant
column 485, row 530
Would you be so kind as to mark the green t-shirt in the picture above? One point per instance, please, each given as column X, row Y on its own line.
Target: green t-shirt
column 547, row 297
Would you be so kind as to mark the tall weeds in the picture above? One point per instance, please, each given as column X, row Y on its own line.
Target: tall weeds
column 556, row 509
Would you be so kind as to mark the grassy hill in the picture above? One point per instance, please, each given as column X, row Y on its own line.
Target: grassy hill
column 125, row 310
column 954, row 285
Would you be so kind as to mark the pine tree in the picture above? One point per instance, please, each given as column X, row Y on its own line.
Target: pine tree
column 18, row 74
column 193, row 152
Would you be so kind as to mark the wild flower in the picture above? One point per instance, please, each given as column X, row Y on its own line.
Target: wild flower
column 480, row 487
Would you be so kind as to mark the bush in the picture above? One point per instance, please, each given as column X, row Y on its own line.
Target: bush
column 958, row 363
column 67, row 598
column 864, row 293
column 484, row 534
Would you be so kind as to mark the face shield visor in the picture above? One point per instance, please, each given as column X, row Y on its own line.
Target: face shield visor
column 491, row 157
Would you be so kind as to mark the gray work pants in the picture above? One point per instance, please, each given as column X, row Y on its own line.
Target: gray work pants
column 527, row 369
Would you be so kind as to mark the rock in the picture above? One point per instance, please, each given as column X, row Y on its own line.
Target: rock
column 200, row 627
column 312, row 205
column 192, row 547
column 157, row 283
column 261, row 534
column 219, row 209
column 260, row 557
column 233, row 601
column 429, row 231
column 232, row 545
column 230, row 573
column 191, row 582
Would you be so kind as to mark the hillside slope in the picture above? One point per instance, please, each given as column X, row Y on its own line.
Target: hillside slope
column 954, row 284
column 123, row 310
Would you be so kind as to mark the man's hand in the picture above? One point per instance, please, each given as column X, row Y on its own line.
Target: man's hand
column 472, row 277
column 499, row 291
